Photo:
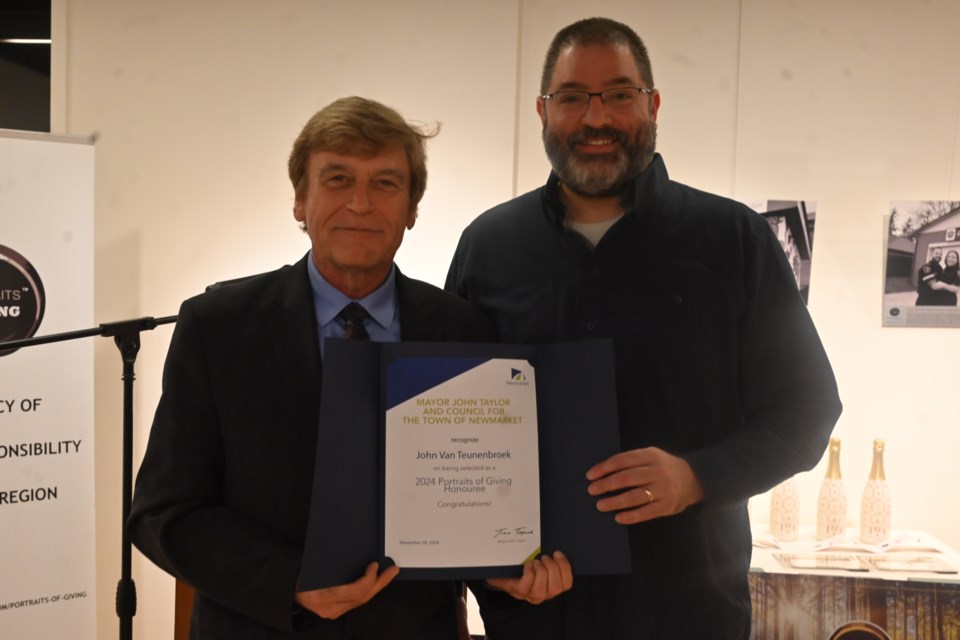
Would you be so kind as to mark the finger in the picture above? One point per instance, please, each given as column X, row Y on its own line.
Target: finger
column 358, row 590
column 516, row 587
column 561, row 574
column 381, row 582
column 554, row 587
column 617, row 462
column 628, row 478
column 333, row 602
column 367, row 580
column 521, row 586
column 385, row 578
column 538, row 590
column 633, row 516
column 499, row 584
column 566, row 571
column 329, row 606
column 636, row 498
column 353, row 591
column 364, row 589
column 334, row 596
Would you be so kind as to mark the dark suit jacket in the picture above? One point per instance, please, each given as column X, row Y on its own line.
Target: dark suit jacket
column 223, row 493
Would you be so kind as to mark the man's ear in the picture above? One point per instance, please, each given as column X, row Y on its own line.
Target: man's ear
column 298, row 213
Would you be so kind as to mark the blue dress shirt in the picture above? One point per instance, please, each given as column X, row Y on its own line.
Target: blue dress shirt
column 383, row 325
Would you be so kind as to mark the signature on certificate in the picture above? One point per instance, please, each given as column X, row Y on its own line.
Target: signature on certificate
column 512, row 531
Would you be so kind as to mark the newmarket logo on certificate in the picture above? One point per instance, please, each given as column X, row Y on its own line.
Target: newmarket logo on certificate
column 517, row 377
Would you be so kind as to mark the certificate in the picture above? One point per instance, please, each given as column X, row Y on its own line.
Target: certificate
column 461, row 467
column 460, row 461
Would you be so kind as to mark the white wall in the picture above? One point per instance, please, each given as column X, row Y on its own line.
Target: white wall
column 849, row 103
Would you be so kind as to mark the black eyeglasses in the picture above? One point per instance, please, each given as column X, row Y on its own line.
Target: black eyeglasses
column 618, row 99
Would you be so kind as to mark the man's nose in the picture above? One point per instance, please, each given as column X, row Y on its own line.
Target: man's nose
column 596, row 114
column 360, row 200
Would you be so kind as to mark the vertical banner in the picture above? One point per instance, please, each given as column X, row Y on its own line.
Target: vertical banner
column 47, row 563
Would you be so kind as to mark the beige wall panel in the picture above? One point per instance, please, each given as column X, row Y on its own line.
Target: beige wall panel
column 854, row 104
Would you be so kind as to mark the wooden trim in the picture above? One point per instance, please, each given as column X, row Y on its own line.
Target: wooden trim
column 183, row 607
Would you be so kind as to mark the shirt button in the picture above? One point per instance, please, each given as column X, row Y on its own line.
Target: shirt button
column 596, row 271
column 591, row 326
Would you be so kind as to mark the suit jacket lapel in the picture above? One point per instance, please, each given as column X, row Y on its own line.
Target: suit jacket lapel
column 295, row 328
column 417, row 322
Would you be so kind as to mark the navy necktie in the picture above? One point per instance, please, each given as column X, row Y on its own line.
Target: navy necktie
column 354, row 314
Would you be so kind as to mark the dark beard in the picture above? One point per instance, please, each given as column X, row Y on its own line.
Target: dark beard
column 606, row 175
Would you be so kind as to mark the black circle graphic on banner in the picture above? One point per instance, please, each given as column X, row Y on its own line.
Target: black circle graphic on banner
column 22, row 300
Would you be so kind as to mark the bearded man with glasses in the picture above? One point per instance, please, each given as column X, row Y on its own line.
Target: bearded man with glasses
column 723, row 386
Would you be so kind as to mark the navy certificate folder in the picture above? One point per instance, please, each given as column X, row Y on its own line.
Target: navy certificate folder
column 577, row 427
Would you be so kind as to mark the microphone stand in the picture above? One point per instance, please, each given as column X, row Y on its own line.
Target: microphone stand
column 126, row 335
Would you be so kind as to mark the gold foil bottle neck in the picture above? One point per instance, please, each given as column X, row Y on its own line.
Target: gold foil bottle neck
column 876, row 469
column 833, row 466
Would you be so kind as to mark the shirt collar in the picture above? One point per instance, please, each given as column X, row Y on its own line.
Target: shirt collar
column 329, row 301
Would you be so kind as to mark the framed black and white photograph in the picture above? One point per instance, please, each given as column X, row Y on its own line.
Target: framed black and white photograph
column 792, row 222
column 922, row 277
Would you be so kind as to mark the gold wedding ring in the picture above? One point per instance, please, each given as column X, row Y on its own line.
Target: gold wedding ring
column 649, row 494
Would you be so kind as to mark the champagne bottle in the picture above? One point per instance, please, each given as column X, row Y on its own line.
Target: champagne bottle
column 785, row 510
column 832, row 502
column 875, row 505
